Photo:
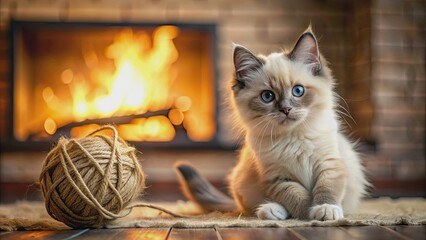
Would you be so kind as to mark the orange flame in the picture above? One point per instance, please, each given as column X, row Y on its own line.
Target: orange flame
column 141, row 73
column 141, row 82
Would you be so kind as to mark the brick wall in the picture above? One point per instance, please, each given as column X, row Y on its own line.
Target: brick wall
column 4, row 65
column 398, row 85
column 357, row 89
column 376, row 49
column 262, row 26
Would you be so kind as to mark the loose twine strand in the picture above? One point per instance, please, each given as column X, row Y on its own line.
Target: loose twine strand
column 65, row 158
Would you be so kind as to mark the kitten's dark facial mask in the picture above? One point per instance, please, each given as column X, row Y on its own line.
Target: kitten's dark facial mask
column 285, row 106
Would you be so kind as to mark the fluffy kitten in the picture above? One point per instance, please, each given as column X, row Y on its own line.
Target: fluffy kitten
column 295, row 161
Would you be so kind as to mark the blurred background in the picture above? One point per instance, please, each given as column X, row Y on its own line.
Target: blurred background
column 63, row 65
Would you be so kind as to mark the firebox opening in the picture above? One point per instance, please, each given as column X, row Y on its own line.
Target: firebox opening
column 156, row 82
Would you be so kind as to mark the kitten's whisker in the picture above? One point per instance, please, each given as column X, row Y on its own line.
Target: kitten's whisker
column 272, row 140
column 346, row 103
column 263, row 133
column 343, row 108
column 346, row 114
column 340, row 113
column 264, row 119
column 268, row 125
column 345, row 111
column 263, row 129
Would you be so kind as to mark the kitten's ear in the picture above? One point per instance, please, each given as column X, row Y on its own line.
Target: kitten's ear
column 245, row 62
column 306, row 51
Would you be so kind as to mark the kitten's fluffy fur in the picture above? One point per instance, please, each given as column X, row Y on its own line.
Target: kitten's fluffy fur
column 295, row 161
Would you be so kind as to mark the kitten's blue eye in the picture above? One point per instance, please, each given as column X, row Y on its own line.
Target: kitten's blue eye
column 298, row 91
column 267, row 96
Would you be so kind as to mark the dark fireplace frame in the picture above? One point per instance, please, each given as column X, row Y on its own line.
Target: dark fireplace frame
column 10, row 143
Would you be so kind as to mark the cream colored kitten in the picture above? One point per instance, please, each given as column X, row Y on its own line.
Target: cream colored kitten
column 295, row 161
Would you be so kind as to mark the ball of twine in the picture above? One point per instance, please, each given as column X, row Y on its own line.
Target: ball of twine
column 90, row 181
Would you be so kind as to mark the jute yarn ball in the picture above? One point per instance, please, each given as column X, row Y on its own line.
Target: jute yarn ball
column 90, row 181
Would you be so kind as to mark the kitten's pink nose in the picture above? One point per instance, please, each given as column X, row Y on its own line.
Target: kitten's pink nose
column 286, row 110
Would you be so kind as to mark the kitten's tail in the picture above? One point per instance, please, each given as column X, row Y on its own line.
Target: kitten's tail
column 197, row 189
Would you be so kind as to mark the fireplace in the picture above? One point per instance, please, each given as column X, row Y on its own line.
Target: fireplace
column 155, row 82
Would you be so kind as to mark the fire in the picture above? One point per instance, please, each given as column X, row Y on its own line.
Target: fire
column 132, row 87
column 140, row 82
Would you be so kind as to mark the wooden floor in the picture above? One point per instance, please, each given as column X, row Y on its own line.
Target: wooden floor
column 333, row 233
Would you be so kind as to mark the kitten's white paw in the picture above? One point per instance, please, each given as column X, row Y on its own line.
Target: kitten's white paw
column 326, row 212
column 272, row 211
